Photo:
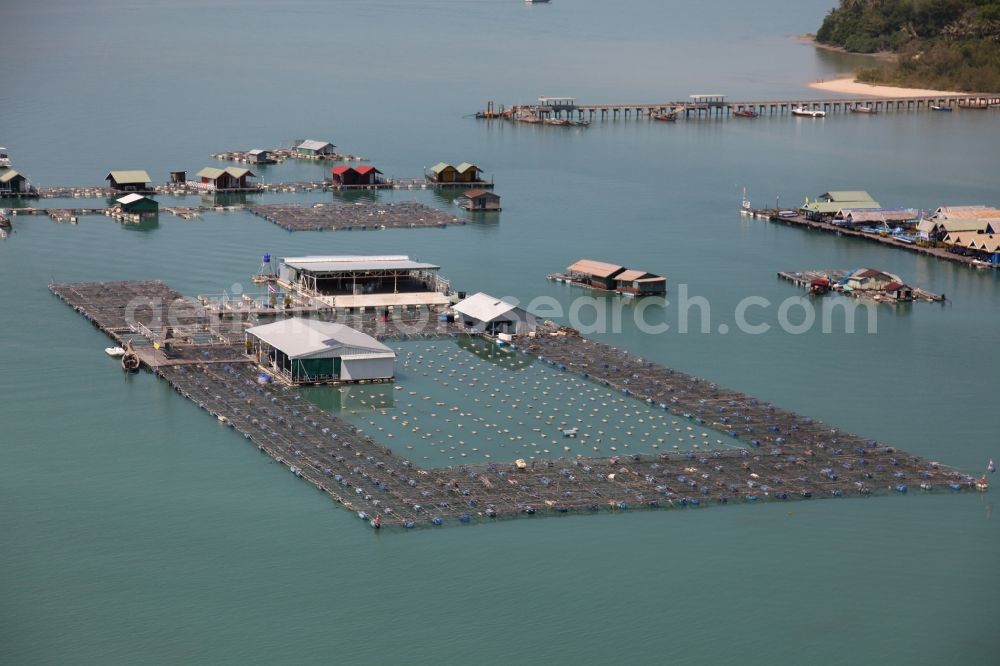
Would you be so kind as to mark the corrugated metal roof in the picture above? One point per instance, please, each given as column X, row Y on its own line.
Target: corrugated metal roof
column 131, row 198
column 628, row 275
column 441, row 166
column 484, row 307
column 964, row 225
column 8, row 175
column 465, row 166
column 969, row 213
column 257, row 151
column 129, row 177
column 595, row 268
column 312, row 144
column 879, row 214
column 836, row 206
column 302, row 338
column 847, row 195
column 475, row 194
column 346, row 264
column 366, row 168
column 212, row 173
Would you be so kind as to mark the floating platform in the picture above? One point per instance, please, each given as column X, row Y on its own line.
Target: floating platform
column 786, row 456
column 807, row 280
column 359, row 215
column 774, row 215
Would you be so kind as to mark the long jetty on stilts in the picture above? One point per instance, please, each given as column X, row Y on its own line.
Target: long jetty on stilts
column 786, row 456
column 717, row 106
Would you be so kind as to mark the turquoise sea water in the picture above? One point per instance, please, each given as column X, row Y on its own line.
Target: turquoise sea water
column 136, row 530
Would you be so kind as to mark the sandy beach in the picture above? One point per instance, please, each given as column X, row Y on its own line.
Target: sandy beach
column 848, row 86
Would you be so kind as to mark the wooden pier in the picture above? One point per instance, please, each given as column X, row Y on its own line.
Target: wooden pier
column 786, row 456
column 926, row 249
column 725, row 109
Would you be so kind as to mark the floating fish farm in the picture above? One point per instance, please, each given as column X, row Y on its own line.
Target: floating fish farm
column 358, row 215
column 765, row 453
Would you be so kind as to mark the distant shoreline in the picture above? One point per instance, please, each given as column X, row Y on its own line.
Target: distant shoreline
column 848, row 86
column 810, row 38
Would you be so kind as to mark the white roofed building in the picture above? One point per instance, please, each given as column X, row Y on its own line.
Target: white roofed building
column 351, row 281
column 486, row 314
column 307, row 351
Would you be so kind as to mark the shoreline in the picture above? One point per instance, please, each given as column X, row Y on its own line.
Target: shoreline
column 849, row 86
column 810, row 39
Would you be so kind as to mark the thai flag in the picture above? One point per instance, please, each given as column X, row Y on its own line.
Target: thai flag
column 992, row 467
column 271, row 288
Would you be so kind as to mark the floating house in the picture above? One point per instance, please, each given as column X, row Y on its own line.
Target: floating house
column 360, row 282
column 129, row 181
column 878, row 217
column 260, row 156
column 307, row 351
column 829, row 204
column 483, row 313
column 313, row 148
column 464, row 173
column 230, row 178
column 640, row 283
column 137, row 204
column 14, row 184
column 597, row 274
column 359, row 176
column 481, row 200
column 880, row 283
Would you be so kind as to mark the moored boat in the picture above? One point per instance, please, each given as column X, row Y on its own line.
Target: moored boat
column 130, row 360
column 745, row 113
column 808, row 113
column 114, row 352
column 938, row 107
column 665, row 117
column 864, row 109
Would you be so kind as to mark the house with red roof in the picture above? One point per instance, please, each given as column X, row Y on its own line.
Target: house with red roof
column 357, row 176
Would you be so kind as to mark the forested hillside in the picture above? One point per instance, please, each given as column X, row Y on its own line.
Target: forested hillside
column 946, row 44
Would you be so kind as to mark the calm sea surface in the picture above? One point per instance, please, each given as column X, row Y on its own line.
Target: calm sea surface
column 136, row 530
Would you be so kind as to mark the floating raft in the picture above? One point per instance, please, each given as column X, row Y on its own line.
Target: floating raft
column 786, row 456
column 359, row 215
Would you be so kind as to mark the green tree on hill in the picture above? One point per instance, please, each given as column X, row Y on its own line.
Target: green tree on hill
column 938, row 43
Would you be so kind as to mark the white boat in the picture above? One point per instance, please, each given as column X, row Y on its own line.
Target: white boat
column 808, row 113
column 4, row 158
column 745, row 205
column 114, row 352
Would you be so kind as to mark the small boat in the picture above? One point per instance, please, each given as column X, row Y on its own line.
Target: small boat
column 938, row 107
column 114, row 352
column 558, row 122
column 130, row 360
column 745, row 113
column 982, row 485
column 864, row 109
column 808, row 113
column 376, row 522
column 665, row 117
column 745, row 205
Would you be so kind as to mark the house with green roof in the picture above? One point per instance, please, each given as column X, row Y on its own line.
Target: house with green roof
column 228, row 179
column 830, row 203
column 137, row 204
column 466, row 172
column 135, row 180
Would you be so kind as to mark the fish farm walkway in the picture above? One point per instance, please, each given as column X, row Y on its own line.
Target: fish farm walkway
column 787, row 456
